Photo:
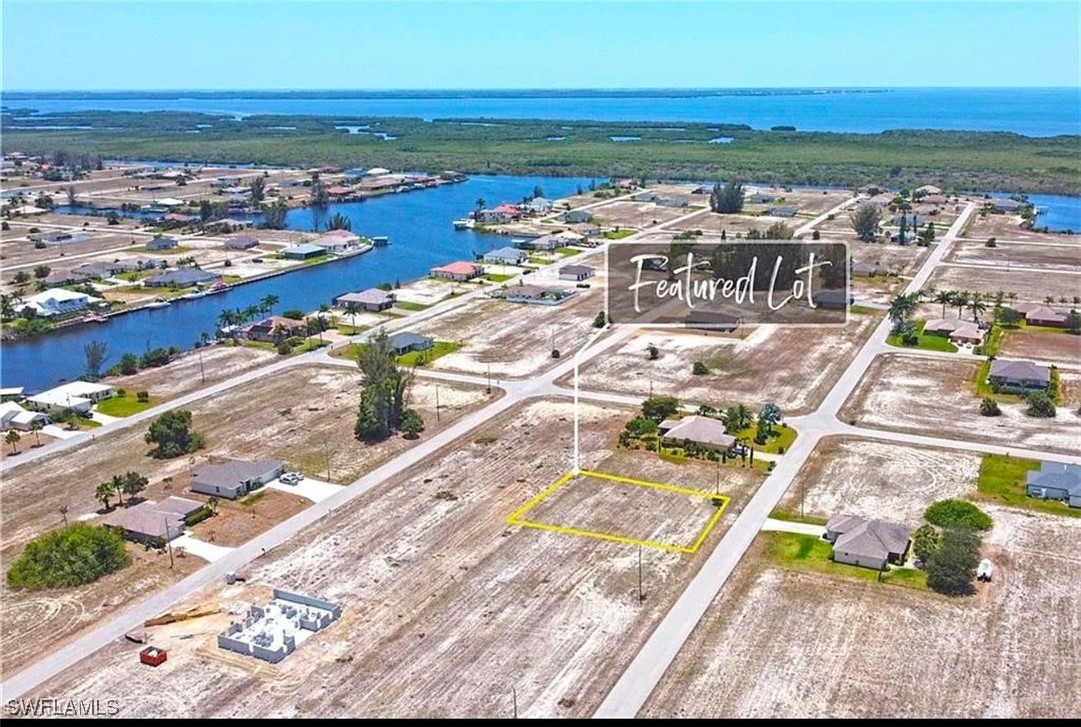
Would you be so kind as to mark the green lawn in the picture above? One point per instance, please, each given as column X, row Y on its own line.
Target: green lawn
column 864, row 310
column 617, row 234
column 540, row 261
column 792, row 517
column 807, row 552
column 983, row 388
column 1002, row 481
column 171, row 251
column 927, row 342
column 348, row 351
column 422, row 358
column 499, row 278
column 992, row 343
column 782, row 437
column 407, row 305
column 123, row 406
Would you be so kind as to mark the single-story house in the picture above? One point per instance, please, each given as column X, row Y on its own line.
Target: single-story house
column 644, row 197
column 457, row 271
column 244, row 242
column 13, row 416
column 545, row 242
column 703, row 431
column 169, row 202
column 150, row 521
column 759, row 198
column 1055, row 481
column 1005, row 205
column 339, row 191
column 163, row 243
column 503, row 213
column 372, row 299
column 954, row 329
column 505, row 256
column 928, row 189
column 1022, row 375
column 867, row 270
column 573, row 216
column 907, row 238
column 57, row 278
column 235, row 478
column 337, row 241
column 576, row 272
column 182, row 278
column 9, row 393
column 912, row 220
column 78, row 395
column 63, row 237
column 303, row 251
column 711, row 321
column 786, row 210
column 58, row 302
column 539, row 205
column 833, row 299
column 673, row 202
column 536, row 294
column 936, row 200
column 867, row 543
column 406, row 341
column 270, row 330
column 1044, row 316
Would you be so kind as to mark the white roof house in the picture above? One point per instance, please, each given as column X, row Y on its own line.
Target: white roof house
column 169, row 202
column 78, row 395
column 337, row 241
column 57, row 301
column 13, row 416
column 377, row 172
column 29, row 209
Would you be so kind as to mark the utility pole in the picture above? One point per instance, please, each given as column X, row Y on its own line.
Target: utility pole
column 326, row 454
column 437, row 402
column 717, row 488
column 514, row 696
column 489, row 391
column 641, row 595
column 202, row 372
column 168, row 540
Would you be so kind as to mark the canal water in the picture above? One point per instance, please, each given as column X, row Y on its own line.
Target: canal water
column 421, row 236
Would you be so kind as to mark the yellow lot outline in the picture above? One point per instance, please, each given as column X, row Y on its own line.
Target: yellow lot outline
column 516, row 518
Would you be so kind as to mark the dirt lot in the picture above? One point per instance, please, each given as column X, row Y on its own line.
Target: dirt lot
column 238, row 521
column 938, row 397
column 446, row 606
column 879, row 479
column 1029, row 286
column 1042, row 345
column 780, row 643
column 1008, row 227
column 185, row 373
column 1005, row 254
column 731, row 224
column 792, row 367
column 296, row 414
column 636, row 215
column 23, row 252
column 902, row 259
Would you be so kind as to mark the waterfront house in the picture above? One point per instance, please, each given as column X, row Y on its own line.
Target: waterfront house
column 78, row 395
column 458, row 271
column 58, row 302
column 182, row 278
column 168, row 202
column 545, row 242
column 244, row 242
column 539, row 205
column 339, row 191
column 1022, row 376
column 163, row 243
column 337, row 241
column 576, row 273
column 703, row 431
column 574, row 216
column 235, row 478
column 867, row 543
column 57, row 278
column 1044, row 316
column 505, row 256
column 372, row 300
column 495, row 215
column 928, row 189
column 13, row 416
column 760, row 198
column 304, row 251
column 407, row 341
column 1055, row 481
column 1004, row 205
column 274, row 329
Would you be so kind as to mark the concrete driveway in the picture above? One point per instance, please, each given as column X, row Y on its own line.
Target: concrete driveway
column 200, row 548
column 313, row 490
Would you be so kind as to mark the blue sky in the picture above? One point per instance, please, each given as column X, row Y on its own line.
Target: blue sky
column 87, row 45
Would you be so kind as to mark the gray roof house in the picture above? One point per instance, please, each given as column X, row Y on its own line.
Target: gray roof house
column 577, row 216
column 1055, row 481
column 1023, row 375
column 235, row 478
column 1005, row 205
column 372, row 299
column 703, row 431
column 867, row 543
column 506, row 256
column 245, row 242
column 303, row 251
column 782, row 211
column 183, row 278
column 163, row 243
column 407, row 341
column 912, row 220
column 148, row 521
column 576, row 272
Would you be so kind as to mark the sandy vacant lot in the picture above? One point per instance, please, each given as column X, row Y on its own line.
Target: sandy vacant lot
column 1008, row 227
column 1042, row 345
column 937, row 397
column 901, row 259
column 1029, row 286
column 792, row 367
column 636, row 215
column 879, row 479
column 446, row 606
column 304, row 416
column 1005, row 254
column 186, row 372
column 780, row 643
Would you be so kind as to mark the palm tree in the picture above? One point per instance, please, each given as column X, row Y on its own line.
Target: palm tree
column 737, row 418
column 64, row 514
column 212, row 503
column 977, row 306
column 104, row 493
column 480, row 204
column 960, row 300
column 902, row 307
column 323, row 309
column 13, row 438
column 1000, row 298
column 251, row 312
column 945, row 297
column 351, row 309
column 266, row 305
column 929, row 292
column 1049, row 299
column 226, row 319
column 117, row 483
column 35, row 427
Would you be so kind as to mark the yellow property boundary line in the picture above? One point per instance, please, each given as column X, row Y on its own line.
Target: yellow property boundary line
column 517, row 517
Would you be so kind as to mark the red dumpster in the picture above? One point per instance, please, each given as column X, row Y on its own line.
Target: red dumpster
column 153, row 656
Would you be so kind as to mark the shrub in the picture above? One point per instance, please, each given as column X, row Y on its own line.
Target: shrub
column 284, row 348
column 173, row 435
column 77, row 554
column 142, row 396
column 952, row 567
column 556, row 353
column 600, row 320
column 652, row 352
column 1040, row 405
column 925, row 543
column 958, row 514
column 198, row 516
column 121, row 393
column 989, row 407
column 39, row 245
column 991, row 242
column 699, row 368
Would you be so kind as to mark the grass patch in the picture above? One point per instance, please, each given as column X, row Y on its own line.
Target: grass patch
column 617, row 234
column 926, row 342
column 782, row 437
column 792, row 517
column 1002, row 481
column 673, row 457
column 568, row 251
column 171, row 251
column 992, row 343
column 499, row 278
column 348, row 351
column 864, row 310
column 408, row 305
column 423, row 358
column 807, row 552
column 122, row 406
column 348, row 330
column 253, row 498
